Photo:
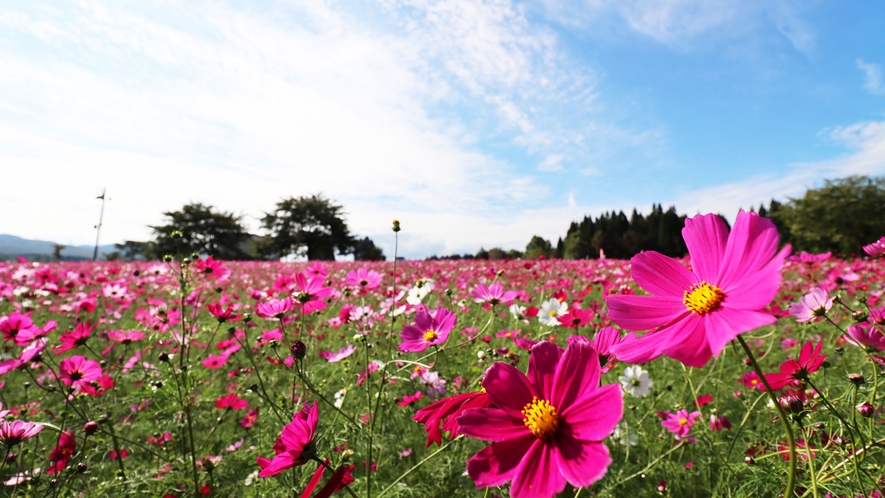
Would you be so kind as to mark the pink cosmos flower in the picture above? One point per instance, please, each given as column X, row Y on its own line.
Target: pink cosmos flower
column 363, row 279
column 64, row 449
column 695, row 313
column 78, row 371
column 295, row 445
column 430, row 329
column 19, row 328
column 222, row 313
column 310, row 294
column 442, row 415
column 408, row 399
column 812, row 307
column 13, row 433
column 875, row 249
column 73, row 338
column 548, row 427
column 250, row 418
column 340, row 355
column 275, row 308
column 680, row 423
column 603, row 342
column 125, row 336
column 865, row 335
column 493, row 294
column 810, row 360
column 575, row 318
column 719, row 422
column 231, row 401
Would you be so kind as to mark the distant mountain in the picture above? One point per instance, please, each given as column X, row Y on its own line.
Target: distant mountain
column 12, row 247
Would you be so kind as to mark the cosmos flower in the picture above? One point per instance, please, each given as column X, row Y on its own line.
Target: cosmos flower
column 550, row 312
column 548, row 427
column 442, row 415
column 275, row 308
column 13, row 433
column 810, row 360
column 694, row 313
column 78, row 371
column 340, row 355
column 430, row 329
column 635, row 381
column 493, row 294
column 363, row 279
column 812, row 307
column 875, row 249
column 64, row 449
column 680, row 423
column 295, row 446
column 863, row 334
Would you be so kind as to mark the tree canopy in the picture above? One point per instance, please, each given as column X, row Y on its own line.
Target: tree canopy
column 203, row 230
column 841, row 216
column 312, row 226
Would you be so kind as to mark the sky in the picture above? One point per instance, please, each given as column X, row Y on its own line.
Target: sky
column 475, row 123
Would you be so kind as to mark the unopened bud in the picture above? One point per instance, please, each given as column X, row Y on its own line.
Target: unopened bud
column 81, row 467
column 167, row 258
column 856, row 379
column 90, row 427
column 164, row 357
column 298, row 350
column 866, row 410
column 791, row 404
column 396, row 226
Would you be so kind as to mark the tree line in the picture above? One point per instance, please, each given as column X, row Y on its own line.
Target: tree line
column 840, row 216
column 310, row 226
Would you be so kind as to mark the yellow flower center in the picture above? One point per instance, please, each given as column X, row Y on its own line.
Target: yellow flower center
column 703, row 298
column 683, row 421
column 430, row 335
column 541, row 418
column 552, row 312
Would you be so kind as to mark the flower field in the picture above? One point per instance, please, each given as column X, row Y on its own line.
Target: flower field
column 195, row 377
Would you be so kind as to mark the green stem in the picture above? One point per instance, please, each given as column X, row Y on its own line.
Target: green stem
column 810, row 466
column 417, row 465
column 788, row 491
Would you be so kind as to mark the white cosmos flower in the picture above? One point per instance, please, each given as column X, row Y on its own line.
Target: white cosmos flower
column 421, row 289
column 517, row 311
column 550, row 312
column 625, row 436
column 635, row 381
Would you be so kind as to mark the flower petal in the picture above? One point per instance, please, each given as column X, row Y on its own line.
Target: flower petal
column 751, row 246
column 688, row 342
column 279, row 463
column 582, row 463
column 542, row 367
column 706, row 237
column 595, row 415
column 644, row 312
column 725, row 325
column 660, row 275
column 576, row 375
column 496, row 464
column 490, row 424
column 508, row 388
column 537, row 475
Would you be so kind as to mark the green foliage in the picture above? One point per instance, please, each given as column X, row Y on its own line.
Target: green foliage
column 197, row 228
column 537, row 247
column 366, row 250
column 312, row 226
column 619, row 237
column 841, row 216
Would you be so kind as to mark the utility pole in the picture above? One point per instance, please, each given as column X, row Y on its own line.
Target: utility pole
column 98, row 227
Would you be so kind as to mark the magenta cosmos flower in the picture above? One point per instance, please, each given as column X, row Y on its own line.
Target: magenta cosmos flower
column 295, row 446
column 78, row 371
column 875, row 249
column 275, row 308
column 548, row 426
column 430, row 329
column 493, row 294
column 865, row 335
column 695, row 313
column 680, row 423
column 310, row 294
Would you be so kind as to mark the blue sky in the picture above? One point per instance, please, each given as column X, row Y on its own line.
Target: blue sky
column 475, row 123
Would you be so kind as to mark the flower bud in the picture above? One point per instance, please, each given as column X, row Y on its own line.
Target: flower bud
column 791, row 404
column 856, row 379
column 866, row 410
column 81, row 467
column 298, row 350
column 164, row 357
column 396, row 226
column 90, row 427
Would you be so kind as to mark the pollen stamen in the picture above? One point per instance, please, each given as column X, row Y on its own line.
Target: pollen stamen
column 541, row 418
column 430, row 335
column 703, row 298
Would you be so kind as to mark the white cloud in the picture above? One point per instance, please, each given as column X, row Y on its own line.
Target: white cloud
column 236, row 109
column 872, row 77
column 553, row 162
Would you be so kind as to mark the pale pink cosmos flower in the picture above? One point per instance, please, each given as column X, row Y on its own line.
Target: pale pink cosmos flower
column 13, row 433
column 680, row 423
column 865, row 335
column 363, row 279
column 275, row 308
column 875, row 249
column 430, row 329
column 694, row 313
column 493, row 294
column 340, row 355
column 812, row 307
column 547, row 428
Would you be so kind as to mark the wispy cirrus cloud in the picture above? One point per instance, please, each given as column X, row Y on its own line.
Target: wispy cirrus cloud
column 872, row 77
